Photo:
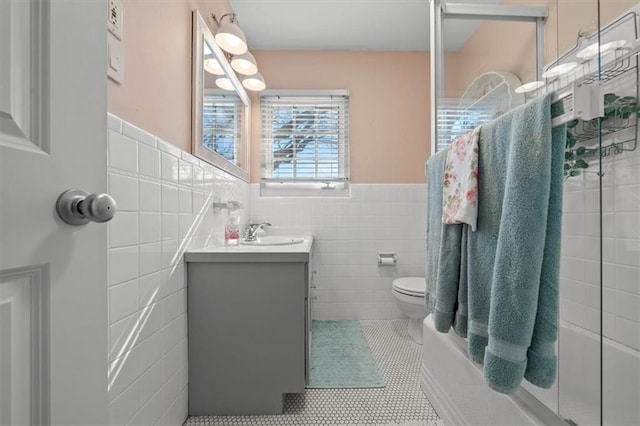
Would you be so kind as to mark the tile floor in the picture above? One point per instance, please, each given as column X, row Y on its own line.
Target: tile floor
column 401, row 402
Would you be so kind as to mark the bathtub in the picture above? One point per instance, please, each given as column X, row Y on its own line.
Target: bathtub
column 456, row 388
column 579, row 367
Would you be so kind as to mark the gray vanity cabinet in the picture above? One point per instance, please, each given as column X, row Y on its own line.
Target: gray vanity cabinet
column 249, row 328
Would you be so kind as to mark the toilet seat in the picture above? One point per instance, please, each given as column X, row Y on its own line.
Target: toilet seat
column 410, row 286
column 409, row 295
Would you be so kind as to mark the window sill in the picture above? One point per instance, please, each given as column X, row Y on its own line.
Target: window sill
column 299, row 189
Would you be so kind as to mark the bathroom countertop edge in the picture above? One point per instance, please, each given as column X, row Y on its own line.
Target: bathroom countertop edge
column 245, row 253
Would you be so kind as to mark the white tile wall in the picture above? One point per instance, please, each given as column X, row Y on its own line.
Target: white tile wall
column 164, row 201
column 580, row 265
column 582, row 294
column 348, row 234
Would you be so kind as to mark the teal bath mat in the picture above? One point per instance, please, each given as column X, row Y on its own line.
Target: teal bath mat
column 341, row 358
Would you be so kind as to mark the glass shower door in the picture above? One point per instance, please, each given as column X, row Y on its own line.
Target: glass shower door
column 579, row 358
column 599, row 374
column 620, row 214
column 596, row 44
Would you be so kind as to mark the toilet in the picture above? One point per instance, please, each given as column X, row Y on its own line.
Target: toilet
column 409, row 295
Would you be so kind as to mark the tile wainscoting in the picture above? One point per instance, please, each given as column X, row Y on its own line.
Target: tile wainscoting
column 607, row 220
column 349, row 233
column 164, row 199
column 580, row 267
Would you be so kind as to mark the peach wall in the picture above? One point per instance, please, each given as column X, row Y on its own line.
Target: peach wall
column 576, row 15
column 389, row 90
column 156, row 93
column 389, row 106
column 610, row 9
column 508, row 46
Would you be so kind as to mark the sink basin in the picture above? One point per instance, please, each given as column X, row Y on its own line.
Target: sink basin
column 273, row 241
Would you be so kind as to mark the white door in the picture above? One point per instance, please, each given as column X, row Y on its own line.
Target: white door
column 53, row 305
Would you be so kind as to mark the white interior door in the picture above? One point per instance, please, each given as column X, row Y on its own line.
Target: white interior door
column 53, row 305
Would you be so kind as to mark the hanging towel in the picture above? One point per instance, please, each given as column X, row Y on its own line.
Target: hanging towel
column 520, row 162
column 462, row 316
column 460, row 196
column 443, row 250
column 541, row 356
column 435, row 175
column 448, row 277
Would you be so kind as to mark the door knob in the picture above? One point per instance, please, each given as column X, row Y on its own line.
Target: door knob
column 77, row 207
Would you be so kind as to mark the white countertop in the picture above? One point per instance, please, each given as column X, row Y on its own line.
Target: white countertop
column 299, row 252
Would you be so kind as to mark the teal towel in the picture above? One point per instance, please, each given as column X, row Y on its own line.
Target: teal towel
column 461, row 317
column 435, row 180
column 443, row 250
column 444, row 246
column 541, row 356
column 448, row 276
column 517, row 235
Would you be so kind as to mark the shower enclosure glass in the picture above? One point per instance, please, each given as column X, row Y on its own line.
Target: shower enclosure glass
column 619, row 214
column 496, row 57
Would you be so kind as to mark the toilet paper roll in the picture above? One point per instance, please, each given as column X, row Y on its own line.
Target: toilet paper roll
column 386, row 261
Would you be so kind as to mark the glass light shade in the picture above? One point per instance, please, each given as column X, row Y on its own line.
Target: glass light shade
column 231, row 38
column 592, row 50
column 254, row 82
column 529, row 87
column 559, row 70
column 212, row 66
column 225, row 83
column 244, row 64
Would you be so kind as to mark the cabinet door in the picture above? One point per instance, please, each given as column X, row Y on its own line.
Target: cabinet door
column 246, row 336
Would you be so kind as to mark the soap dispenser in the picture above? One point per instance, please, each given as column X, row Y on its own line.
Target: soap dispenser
column 232, row 230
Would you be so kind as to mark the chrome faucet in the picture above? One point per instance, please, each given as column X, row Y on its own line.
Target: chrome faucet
column 252, row 230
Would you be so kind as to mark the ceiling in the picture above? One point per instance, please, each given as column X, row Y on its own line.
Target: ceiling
column 370, row 25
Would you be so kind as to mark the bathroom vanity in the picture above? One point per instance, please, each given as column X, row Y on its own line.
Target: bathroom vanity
column 249, row 327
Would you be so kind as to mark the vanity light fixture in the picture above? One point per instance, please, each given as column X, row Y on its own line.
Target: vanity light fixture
column 212, row 66
column 559, row 70
column 254, row 82
column 529, row 87
column 245, row 64
column 229, row 36
column 225, row 83
column 592, row 50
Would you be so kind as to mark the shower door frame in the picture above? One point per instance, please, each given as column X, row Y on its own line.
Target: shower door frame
column 441, row 10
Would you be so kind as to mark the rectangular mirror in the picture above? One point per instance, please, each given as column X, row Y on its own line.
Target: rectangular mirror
column 220, row 112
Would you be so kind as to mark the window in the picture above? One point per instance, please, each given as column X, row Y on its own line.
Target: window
column 305, row 143
column 455, row 119
column 451, row 122
column 222, row 124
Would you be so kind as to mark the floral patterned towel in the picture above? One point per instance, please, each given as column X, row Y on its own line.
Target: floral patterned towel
column 460, row 196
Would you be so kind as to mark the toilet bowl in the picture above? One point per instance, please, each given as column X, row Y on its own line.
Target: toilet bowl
column 409, row 295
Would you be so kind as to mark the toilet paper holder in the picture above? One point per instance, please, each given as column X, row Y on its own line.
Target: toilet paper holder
column 387, row 258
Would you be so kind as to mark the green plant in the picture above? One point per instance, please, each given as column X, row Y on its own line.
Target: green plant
column 574, row 158
column 615, row 107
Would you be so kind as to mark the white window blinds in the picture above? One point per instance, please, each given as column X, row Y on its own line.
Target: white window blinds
column 456, row 117
column 305, row 137
column 221, row 124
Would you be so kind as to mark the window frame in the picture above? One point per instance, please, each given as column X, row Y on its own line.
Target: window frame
column 305, row 187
